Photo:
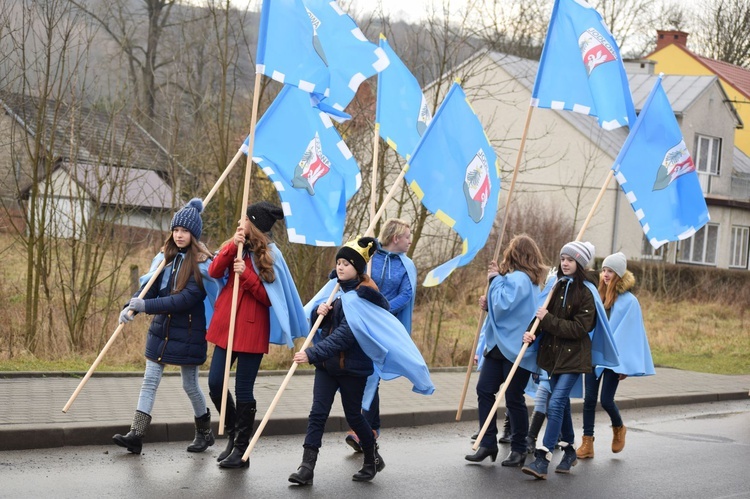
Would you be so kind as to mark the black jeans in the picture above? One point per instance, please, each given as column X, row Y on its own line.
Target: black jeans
column 494, row 372
column 324, row 390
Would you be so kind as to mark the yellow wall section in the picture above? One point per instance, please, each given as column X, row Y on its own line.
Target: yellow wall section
column 675, row 61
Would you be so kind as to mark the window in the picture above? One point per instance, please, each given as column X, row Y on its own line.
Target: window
column 738, row 248
column 701, row 247
column 649, row 253
column 707, row 154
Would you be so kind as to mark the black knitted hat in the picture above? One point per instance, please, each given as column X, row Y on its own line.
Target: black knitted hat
column 264, row 214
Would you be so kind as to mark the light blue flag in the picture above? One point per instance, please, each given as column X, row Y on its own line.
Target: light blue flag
column 289, row 49
column 350, row 57
column 657, row 174
column 298, row 148
column 456, row 175
column 401, row 110
column 581, row 69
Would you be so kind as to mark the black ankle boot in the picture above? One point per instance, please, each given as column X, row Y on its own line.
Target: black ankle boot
column 369, row 467
column 537, row 420
column 481, row 454
column 204, row 436
column 515, row 459
column 133, row 440
column 245, row 423
column 305, row 472
column 230, row 421
column 505, row 438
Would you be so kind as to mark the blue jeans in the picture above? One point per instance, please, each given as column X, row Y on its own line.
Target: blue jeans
column 541, row 399
column 152, row 378
column 248, row 365
column 559, row 420
column 352, row 390
column 494, row 372
column 609, row 381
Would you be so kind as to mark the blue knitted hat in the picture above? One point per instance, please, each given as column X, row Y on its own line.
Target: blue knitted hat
column 190, row 218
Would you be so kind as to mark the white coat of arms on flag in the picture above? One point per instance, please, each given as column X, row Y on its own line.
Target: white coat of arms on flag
column 676, row 162
column 477, row 185
column 313, row 166
column 424, row 117
column 595, row 49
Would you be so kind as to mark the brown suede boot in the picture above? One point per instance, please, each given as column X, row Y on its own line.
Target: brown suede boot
column 618, row 438
column 586, row 450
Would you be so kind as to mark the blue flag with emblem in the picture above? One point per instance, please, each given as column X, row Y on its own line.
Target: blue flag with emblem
column 401, row 110
column 289, row 49
column 455, row 174
column 314, row 172
column 657, row 174
column 581, row 69
column 350, row 57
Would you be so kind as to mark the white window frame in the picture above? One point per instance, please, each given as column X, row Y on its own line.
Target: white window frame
column 695, row 249
column 649, row 253
column 738, row 248
column 708, row 154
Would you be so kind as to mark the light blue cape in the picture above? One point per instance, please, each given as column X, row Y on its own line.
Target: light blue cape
column 626, row 321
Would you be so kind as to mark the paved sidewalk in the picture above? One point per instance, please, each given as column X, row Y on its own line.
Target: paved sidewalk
column 31, row 411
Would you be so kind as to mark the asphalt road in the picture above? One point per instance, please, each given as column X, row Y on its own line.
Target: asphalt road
column 692, row 451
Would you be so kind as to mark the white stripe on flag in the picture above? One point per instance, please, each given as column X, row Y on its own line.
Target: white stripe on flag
column 578, row 108
column 356, row 81
column 344, row 149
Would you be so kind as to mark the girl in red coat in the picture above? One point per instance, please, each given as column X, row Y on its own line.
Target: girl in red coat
column 252, row 326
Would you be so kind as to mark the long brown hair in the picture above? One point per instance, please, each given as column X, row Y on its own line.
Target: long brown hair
column 257, row 243
column 608, row 293
column 523, row 254
column 189, row 264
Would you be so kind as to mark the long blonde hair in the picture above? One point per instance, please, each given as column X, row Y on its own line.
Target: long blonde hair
column 523, row 254
column 609, row 293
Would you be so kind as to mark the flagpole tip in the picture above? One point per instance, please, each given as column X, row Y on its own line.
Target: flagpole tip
column 382, row 36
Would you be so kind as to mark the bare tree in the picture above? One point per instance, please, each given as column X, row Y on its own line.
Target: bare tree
column 724, row 31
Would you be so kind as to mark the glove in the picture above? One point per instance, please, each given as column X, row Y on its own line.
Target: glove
column 125, row 317
column 137, row 304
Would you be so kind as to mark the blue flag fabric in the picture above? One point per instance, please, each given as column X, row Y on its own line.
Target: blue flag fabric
column 315, row 173
column 350, row 57
column 626, row 321
column 401, row 109
column 288, row 320
column 657, row 174
column 289, row 49
column 581, row 69
column 456, row 175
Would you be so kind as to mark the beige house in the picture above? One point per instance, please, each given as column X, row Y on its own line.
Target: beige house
column 567, row 158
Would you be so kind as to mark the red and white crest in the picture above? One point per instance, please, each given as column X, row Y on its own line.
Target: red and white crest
column 313, row 166
column 477, row 185
column 595, row 49
column 676, row 162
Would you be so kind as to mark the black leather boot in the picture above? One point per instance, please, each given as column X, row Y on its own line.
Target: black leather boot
column 305, row 471
column 537, row 420
column 505, row 438
column 245, row 423
column 230, row 420
column 515, row 459
column 369, row 467
column 133, row 440
column 204, row 436
column 481, row 454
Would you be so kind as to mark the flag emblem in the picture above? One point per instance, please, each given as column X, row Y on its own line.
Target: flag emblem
column 595, row 49
column 316, row 39
column 477, row 185
column 313, row 166
column 676, row 162
column 424, row 117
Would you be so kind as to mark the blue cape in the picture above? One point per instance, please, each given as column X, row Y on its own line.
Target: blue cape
column 383, row 338
column 288, row 319
column 405, row 315
column 512, row 299
column 626, row 322
column 211, row 285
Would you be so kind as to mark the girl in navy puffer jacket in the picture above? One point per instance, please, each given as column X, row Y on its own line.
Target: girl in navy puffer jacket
column 177, row 335
column 341, row 364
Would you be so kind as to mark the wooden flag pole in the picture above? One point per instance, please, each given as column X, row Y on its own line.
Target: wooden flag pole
column 482, row 313
column 374, row 177
column 236, row 288
column 309, row 338
column 517, row 362
column 143, row 292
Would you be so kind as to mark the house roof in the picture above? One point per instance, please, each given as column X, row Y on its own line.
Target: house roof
column 112, row 185
column 741, row 163
column 108, row 138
